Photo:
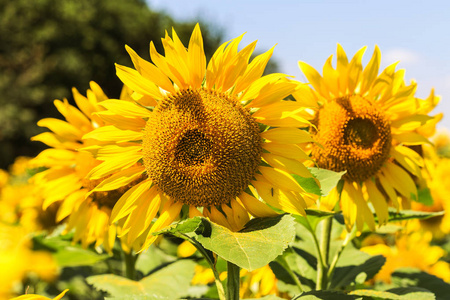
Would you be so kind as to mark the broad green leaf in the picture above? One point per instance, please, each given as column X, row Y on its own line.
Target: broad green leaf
column 313, row 217
column 410, row 277
column 171, row 282
column 260, row 242
column 187, row 226
column 308, row 184
column 72, row 256
column 328, row 179
column 425, row 196
column 326, row 295
column 66, row 253
column 411, row 214
column 152, row 258
column 355, row 266
column 405, row 295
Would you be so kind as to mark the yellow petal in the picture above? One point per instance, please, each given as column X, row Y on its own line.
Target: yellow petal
column 280, row 178
column 256, row 207
column 287, row 150
column 120, row 179
column 126, row 108
column 371, row 71
column 410, row 138
column 61, row 128
column 112, row 133
column 113, row 165
column 137, row 82
column 150, row 71
column 378, row 201
column 410, row 161
column 287, row 136
column 389, row 190
column 254, row 70
column 355, row 70
column 73, row 115
column 330, row 77
column 314, row 79
column 83, row 103
column 127, row 203
column 401, row 180
column 169, row 213
column 287, row 164
column 196, row 58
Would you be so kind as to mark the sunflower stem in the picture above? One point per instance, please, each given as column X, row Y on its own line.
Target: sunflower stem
column 130, row 265
column 322, row 272
column 350, row 235
column 233, row 282
column 294, row 276
column 211, row 263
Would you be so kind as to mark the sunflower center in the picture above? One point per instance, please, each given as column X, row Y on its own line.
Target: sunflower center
column 201, row 148
column 194, row 148
column 355, row 136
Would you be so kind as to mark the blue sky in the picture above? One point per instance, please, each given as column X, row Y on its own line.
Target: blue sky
column 416, row 33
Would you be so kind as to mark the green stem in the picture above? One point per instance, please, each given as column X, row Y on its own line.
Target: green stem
column 199, row 247
column 322, row 272
column 233, row 281
column 348, row 238
column 287, row 267
column 130, row 265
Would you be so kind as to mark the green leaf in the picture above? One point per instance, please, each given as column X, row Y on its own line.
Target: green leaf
column 355, row 267
column 425, row 196
column 404, row 295
column 313, row 217
column 171, row 282
column 260, row 242
column 403, row 215
column 187, row 226
column 410, row 277
column 268, row 297
column 328, row 179
column 325, row 295
column 66, row 253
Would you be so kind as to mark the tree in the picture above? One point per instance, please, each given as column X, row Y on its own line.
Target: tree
column 49, row 46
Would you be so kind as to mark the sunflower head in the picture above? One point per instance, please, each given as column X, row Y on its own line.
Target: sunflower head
column 364, row 123
column 201, row 147
column 355, row 135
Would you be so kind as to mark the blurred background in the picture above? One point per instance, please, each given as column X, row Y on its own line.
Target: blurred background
column 49, row 46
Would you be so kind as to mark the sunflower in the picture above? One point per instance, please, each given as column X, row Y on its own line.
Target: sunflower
column 436, row 179
column 410, row 250
column 364, row 123
column 64, row 181
column 200, row 137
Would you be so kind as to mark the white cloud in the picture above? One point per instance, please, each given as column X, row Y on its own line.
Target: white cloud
column 405, row 56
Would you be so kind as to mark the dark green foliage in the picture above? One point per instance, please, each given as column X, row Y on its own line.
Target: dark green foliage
column 49, row 46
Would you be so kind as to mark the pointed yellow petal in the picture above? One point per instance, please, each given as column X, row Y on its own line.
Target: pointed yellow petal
column 140, row 219
column 61, row 128
column 83, row 103
column 330, row 77
column 127, row 203
column 355, row 70
column 253, row 71
column 169, row 213
column 371, row 71
column 112, row 133
column 287, row 164
column 287, row 136
column 126, row 108
column 329, row 201
column 378, row 201
column 196, row 58
column 410, row 138
column 342, row 69
column 314, row 79
column 256, row 207
column 280, row 178
column 287, row 150
column 137, row 82
column 73, row 115
column 120, row 179
column 389, row 190
column 401, row 180
column 348, row 206
column 113, row 165
column 150, row 71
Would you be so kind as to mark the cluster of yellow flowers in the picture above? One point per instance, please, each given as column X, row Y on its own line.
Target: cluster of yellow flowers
column 221, row 140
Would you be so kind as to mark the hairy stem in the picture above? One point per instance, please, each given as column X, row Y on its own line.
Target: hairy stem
column 233, row 282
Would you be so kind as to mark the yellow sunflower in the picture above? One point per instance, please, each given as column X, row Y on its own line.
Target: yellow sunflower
column 199, row 135
column 410, row 250
column 364, row 122
column 64, row 181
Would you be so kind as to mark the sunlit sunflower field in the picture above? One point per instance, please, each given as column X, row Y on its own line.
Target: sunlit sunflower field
column 211, row 178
